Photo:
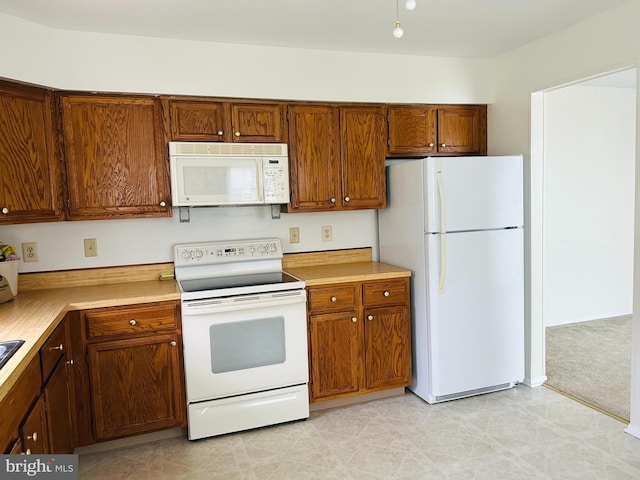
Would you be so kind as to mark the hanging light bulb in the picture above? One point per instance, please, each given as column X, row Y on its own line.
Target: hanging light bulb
column 410, row 4
column 398, row 32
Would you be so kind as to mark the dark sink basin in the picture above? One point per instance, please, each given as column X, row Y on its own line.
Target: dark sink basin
column 8, row 348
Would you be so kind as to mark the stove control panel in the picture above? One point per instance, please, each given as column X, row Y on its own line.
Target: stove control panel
column 227, row 252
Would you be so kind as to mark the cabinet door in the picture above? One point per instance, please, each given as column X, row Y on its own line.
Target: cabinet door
column 257, row 122
column 412, row 130
column 59, row 421
column 31, row 187
column 314, row 157
column 387, row 347
column 200, row 121
column 34, row 430
column 335, row 354
column 363, row 157
column 116, row 156
column 135, row 385
column 462, row 129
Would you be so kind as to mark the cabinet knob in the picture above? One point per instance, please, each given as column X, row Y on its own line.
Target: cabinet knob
column 333, row 200
column 354, row 319
column 237, row 134
column 33, row 436
column 28, row 452
column 58, row 347
column 132, row 322
column 70, row 362
column 370, row 317
column 5, row 210
column 386, row 294
column 443, row 145
column 346, row 199
column 173, row 343
column 333, row 299
column 220, row 132
column 163, row 204
column 431, row 144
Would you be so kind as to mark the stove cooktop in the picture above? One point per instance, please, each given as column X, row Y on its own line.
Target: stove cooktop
column 233, row 281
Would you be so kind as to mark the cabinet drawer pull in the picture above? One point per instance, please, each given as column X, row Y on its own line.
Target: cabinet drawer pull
column 5, row 210
column 70, row 362
column 163, row 204
column 220, row 132
column 333, row 200
column 354, row 319
column 237, row 134
column 28, row 452
column 333, row 299
column 443, row 145
column 173, row 343
column 58, row 347
column 386, row 293
column 33, row 436
column 346, row 199
column 370, row 317
column 431, row 144
column 132, row 322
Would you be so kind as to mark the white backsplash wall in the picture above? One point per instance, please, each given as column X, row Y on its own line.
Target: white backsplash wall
column 143, row 241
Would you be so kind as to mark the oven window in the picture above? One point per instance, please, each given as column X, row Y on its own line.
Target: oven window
column 247, row 344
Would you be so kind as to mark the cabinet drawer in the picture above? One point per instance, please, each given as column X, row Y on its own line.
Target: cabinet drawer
column 385, row 293
column 336, row 297
column 52, row 350
column 123, row 321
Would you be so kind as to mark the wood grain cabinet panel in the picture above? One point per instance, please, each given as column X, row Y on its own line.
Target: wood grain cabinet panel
column 32, row 186
column 116, row 157
column 135, row 385
column 336, row 157
column 57, row 396
column 34, row 430
column 217, row 121
column 359, row 347
column 424, row 130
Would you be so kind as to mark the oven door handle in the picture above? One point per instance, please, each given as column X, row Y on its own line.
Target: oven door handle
column 204, row 306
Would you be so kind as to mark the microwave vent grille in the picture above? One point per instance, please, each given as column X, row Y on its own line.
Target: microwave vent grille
column 228, row 149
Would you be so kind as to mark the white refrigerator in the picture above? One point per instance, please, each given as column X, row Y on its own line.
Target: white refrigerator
column 457, row 223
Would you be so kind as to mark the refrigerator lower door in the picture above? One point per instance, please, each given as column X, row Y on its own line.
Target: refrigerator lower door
column 476, row 323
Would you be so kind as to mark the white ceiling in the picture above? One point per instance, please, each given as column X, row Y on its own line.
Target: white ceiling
column 450, row 28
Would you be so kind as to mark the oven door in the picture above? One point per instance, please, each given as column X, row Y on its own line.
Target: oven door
column 243, row 344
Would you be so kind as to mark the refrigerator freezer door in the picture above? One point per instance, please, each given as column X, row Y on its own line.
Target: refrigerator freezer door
column 479, row 193
column 476, row 325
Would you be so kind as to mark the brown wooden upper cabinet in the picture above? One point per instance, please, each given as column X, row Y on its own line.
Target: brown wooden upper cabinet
column 336, row 157
column 422, row 130
column 31, row 187
column 116, row 156
column 201, row 120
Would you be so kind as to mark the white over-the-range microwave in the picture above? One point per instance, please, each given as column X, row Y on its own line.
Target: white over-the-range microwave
column 217, row 174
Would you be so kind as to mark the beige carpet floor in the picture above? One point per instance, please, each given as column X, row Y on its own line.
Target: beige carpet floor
column 591, row 361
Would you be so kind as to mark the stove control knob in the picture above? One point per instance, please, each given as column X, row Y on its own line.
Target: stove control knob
column 199, row 253
column 262, row 250
column 186, row 254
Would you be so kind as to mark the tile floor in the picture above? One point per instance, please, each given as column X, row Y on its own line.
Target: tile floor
column 520, row 433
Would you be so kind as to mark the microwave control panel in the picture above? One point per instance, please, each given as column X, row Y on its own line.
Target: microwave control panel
column 276, row 180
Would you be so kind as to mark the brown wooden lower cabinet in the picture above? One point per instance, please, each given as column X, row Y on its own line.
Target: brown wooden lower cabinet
column 359, row 338
column 34, row 430
column 57, row 397
column 128, row 372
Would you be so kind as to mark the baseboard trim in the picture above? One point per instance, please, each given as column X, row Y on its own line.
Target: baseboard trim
column 534, row 382
column 132, row 441
column 633, row 430
column 341, row 402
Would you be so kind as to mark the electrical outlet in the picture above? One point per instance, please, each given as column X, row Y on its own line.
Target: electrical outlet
column 327, row 234
column 90, row 247
column 30, row 252
column 294, row 235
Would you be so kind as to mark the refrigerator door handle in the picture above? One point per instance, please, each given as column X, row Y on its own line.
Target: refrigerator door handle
column 443, row 226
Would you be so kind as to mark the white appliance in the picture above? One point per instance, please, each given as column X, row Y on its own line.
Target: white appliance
column 216, row 174
column 457, row 223
column 244, row 336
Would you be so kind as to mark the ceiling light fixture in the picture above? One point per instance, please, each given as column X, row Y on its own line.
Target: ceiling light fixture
column 398, row 32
